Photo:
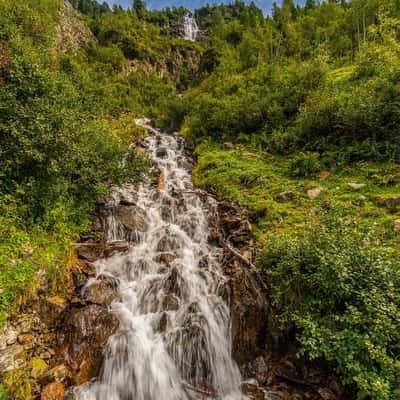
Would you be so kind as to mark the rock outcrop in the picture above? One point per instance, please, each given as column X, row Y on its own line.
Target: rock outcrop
column 71, row 33
column 267, row 356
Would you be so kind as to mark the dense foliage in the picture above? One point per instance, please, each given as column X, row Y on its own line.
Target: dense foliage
column 61, row 145
column 342, row 294
column 322, row 78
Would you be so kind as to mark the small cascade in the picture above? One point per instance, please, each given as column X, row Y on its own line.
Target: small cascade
column 174, row 340
column 190, row 28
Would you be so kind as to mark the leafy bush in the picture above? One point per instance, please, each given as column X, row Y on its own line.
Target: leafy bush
column 342, row 295
column 304, row 164
column 3, row 393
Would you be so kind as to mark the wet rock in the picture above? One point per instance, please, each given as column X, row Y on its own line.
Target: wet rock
column 85, row 332
column 248, row 302
column 100, row 293
column 52, row 309
column 97, row 225
column 315, row 192
column 162, row 152
column 70, row 395
column 285, row 196
column 204, row 262
column 166, row 213
column 81, row 273
column 170, row 303
column 356, row 186
column 185, row 163
column 89, row 251
column 168, row 243
column 253, row 391
column 172, row 284
column 119, row 246
column 259, row 370
column 162, row 326
column 53, row 391
column 166, row 258
column 132, row 220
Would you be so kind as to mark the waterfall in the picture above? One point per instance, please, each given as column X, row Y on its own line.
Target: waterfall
column 190, row 28
column 174, row 340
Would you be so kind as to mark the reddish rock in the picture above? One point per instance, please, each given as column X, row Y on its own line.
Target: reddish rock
column 325, row 175
column 26, row 338
column 53, row 391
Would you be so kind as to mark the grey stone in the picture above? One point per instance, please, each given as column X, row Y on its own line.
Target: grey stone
column 285, row 196
column 356, row 186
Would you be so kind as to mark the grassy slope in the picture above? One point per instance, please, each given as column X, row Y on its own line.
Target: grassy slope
column 254, row 180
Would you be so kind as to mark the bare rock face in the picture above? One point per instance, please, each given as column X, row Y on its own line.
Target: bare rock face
column 71, row 33
column 250, row 312
column 85, row 332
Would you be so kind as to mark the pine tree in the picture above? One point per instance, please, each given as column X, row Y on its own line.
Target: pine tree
column 139, row 6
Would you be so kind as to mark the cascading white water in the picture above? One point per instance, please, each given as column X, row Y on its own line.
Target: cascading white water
column 174, row 341
column 190, row 28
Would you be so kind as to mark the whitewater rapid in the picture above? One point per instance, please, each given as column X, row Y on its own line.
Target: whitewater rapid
column 174, row 340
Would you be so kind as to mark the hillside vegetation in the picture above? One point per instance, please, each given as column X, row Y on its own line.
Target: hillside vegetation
column 296, row 118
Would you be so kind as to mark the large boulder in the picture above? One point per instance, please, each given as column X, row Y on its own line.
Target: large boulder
column 100, row 292
column 85, row 332
column 90, row 251
column 131, row 221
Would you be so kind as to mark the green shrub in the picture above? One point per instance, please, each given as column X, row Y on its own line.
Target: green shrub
column 304, row 164
column 342, row 295
column 3, row 393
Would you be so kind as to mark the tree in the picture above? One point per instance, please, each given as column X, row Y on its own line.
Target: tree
column 140, row 7
column 310, row 5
